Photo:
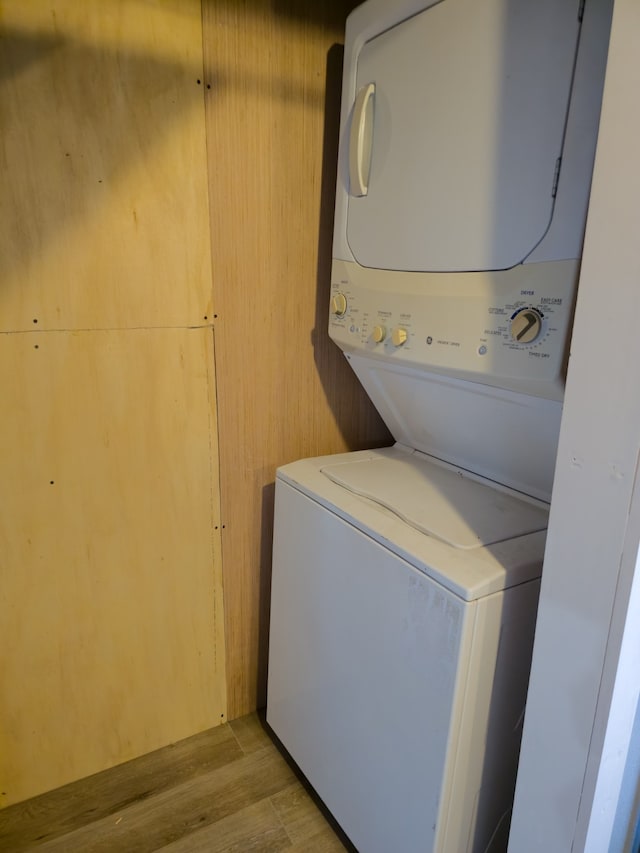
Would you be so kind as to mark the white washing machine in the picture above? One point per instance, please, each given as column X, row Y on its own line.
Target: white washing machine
column 405, row 580
column 400, row 641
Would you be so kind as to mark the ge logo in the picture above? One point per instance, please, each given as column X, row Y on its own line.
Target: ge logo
column 429, row 340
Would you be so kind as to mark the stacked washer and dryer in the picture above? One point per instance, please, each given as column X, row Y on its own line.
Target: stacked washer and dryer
column 405, row 580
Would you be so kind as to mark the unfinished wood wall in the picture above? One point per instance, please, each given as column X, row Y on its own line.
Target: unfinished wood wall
column 111, row 624
column 284, row 390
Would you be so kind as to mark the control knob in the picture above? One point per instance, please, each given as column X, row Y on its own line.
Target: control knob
column 526, row 326
column 398, row 336
column 339, row 304
column 379, row 334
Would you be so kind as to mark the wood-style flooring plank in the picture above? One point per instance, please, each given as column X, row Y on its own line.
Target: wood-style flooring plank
column 251, row 733
column 82, row 803
column 226, row 790
column 326, row 841
column 299, row 814
column 174, row 814
column 255, row 828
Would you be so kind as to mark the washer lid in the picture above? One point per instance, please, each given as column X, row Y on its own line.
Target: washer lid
column 440, row 501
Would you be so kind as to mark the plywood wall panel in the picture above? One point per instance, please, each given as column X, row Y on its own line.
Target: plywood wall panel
column 112, row 622
column 284, row 390
column 102, row 163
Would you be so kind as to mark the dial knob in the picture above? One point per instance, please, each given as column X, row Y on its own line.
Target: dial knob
column 398, row 336
column 379, row 334
column 526, row 326
column 339, row 304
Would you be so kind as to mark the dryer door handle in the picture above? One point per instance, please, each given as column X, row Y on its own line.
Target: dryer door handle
column 360, row 139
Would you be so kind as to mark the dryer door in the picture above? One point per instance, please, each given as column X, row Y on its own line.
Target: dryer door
column 456, row 134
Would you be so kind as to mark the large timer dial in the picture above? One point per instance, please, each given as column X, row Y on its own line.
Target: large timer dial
column 526, row 326
column 339, row 304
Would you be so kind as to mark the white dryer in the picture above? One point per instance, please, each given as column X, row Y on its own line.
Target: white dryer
column 405, row 580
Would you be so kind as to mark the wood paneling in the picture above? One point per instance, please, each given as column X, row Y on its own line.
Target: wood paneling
column 102, row 157
column 284, row 390
column 111, row 630
column 111, row 623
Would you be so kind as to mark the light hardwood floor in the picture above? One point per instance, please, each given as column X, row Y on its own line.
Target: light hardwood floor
column 227, row 789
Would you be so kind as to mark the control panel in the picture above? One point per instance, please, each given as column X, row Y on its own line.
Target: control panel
column 507, row 328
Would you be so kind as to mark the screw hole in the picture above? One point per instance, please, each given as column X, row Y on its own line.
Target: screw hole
column 208, row 85
column 215, row 316
column 35, row 346
column 198, row 82
column 35, row 320
column 205, row 317
column 51, row 482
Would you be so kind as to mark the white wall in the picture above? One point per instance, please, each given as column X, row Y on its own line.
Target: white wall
column 594, row 527
column 608, row 822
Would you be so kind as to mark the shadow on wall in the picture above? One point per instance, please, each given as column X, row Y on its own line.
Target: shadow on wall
column 266, row 550
column 331, row 14
column 341, row 387
column 323, row 14
column 21, row 50
column 75, row 119
column 348, row 402
column 80, row 117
